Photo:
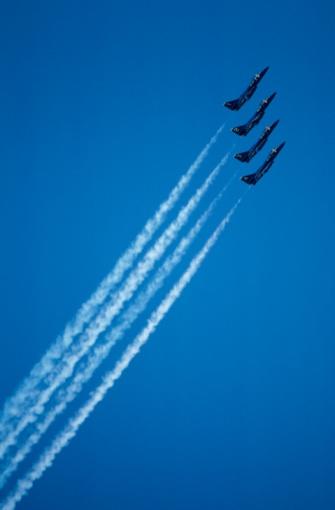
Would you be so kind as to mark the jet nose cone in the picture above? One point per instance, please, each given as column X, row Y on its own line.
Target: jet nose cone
column 273, row 126
column 265, row 70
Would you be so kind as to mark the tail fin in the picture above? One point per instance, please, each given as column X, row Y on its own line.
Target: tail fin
column 243, row 157
column 232, row 105
column 249, row 179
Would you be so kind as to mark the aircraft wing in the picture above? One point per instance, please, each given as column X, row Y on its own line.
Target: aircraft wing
column 241, row 130
column 250, row 179
column 244, row 157
column 233, row 105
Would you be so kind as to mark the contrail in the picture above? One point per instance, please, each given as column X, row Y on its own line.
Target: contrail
column 27, row 392
column 65, row 367
column 46, row 460
column 84, row 373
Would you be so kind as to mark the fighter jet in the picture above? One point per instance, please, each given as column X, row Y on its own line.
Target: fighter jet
column 245, row 157
column 253, row 179
column 236, row 104
column 256, row 118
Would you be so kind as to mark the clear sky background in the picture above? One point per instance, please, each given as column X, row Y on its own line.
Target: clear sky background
column 103, row 106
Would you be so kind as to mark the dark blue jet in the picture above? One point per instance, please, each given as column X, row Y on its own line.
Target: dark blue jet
column 236, row 104
column 253, row 179
column 256, row 118
column 247, row 156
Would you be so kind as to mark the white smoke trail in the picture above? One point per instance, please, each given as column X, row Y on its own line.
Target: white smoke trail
column 65, row 368
column 27, row 392
column 46, row 460
column 101, row 352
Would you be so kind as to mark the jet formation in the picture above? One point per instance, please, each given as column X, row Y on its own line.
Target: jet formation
column 243, row 130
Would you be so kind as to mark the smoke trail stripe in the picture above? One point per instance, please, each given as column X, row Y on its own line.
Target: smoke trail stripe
column 46, row 460
column 28, row 391
column 85, row 372
column 103, row 320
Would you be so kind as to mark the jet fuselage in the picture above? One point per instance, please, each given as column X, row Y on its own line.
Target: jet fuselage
column 256, row 118
column 252, row 179
column 236, row 104
column 247, row 156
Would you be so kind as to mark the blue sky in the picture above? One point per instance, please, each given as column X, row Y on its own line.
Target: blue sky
column 103, row 106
